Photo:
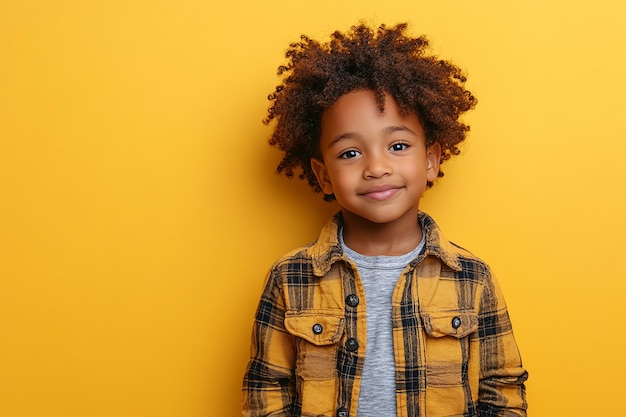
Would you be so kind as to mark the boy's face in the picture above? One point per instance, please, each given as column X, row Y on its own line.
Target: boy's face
column 376, row 164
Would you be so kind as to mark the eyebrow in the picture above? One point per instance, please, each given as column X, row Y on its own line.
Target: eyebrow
column 387, row 131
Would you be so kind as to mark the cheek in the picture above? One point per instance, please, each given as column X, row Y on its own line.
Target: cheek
column 342, row 180
column 416, row 171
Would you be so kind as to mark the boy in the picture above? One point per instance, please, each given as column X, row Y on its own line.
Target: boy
column 381, row 316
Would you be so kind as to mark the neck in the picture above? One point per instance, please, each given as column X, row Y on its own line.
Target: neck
column 375, row 239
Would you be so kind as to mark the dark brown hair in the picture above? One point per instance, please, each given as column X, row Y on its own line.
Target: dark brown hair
column 384, row 60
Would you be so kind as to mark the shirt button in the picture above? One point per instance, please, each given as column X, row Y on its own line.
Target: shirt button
column 352, row 344
column 342, row 412
column 317, row 328
column 456, row 322
column 352, row 300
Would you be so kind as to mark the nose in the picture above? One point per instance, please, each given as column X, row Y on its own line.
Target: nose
column 377, row 166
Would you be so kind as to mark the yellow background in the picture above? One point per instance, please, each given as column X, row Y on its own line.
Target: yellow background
column 139, row 210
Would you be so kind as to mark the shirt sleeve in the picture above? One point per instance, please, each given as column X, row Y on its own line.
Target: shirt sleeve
column 501, row 391
column 269, row 385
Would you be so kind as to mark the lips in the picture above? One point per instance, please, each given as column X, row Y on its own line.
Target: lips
column 380, row 193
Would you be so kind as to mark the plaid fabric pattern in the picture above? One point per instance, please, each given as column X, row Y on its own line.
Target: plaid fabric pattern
column 455, row 353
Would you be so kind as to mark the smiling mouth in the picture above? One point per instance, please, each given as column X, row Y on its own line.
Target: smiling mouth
column 382, row 193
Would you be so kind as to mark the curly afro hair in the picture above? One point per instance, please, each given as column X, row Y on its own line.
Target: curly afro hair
column 383, row 60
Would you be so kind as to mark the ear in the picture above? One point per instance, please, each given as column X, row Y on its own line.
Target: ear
column 321, row 173
column 433, row 158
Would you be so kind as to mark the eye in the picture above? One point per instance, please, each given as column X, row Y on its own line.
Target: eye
column 349, row 154
column 399, row 146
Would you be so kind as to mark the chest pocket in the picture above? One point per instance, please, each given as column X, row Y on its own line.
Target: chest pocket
column 450, row 376
column 318, row 333
column 320, row 327
column 450, row 323
column 447, row 345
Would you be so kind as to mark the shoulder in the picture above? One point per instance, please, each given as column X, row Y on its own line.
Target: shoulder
column 316, row 257
column 454, row 256
column 471, row 265
column 298, row 256
column 301, row 283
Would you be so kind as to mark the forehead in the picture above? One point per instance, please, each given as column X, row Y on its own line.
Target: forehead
column 359, row 113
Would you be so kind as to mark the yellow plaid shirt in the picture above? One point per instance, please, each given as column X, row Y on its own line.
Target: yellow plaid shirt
column 455, row 354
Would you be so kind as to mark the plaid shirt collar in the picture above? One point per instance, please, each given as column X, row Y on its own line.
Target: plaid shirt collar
column 327, row 249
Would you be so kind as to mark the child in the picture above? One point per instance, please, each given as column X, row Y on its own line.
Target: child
column 380, row 316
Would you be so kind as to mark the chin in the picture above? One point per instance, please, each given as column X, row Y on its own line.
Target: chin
column 378, row 218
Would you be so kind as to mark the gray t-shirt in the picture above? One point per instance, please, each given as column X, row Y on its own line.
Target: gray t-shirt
column 379, row 275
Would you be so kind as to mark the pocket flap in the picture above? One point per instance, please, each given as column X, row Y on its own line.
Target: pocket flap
column 320, row 327
column 450, row 323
